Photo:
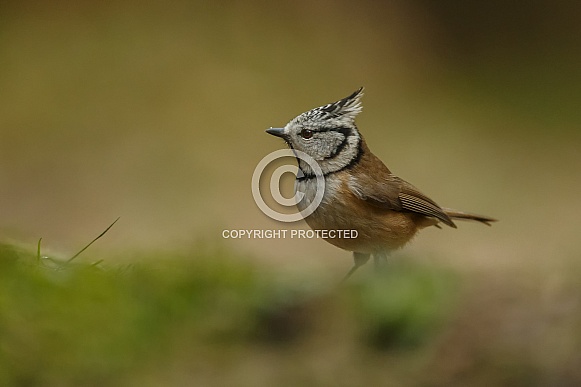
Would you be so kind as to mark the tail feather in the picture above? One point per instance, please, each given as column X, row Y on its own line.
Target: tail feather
column 459, row 215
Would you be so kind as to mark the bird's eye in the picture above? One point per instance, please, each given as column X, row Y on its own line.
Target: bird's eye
column 306, row 134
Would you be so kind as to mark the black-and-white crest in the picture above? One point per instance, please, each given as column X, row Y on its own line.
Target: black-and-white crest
column 345, row 109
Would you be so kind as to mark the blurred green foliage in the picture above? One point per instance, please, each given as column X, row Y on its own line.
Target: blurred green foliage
column 213, row 318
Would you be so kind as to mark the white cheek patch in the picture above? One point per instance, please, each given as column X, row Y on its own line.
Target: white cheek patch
column 340, row 143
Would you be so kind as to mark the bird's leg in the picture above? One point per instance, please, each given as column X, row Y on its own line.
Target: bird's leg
column 359, row 259
column 380, row 261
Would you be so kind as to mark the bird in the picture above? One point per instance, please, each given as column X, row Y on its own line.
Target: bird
column 360, row 191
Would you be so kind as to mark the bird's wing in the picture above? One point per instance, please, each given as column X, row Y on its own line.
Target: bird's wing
column 413, row 200
column 391, row 192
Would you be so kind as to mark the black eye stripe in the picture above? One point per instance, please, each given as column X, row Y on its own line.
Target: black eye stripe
column 343, row 130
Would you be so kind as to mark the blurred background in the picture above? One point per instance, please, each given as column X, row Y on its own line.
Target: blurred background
column 155, row 112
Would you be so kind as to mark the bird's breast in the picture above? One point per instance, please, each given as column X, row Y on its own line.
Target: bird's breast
column 377, row 228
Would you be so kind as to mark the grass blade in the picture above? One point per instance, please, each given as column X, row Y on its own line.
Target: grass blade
column 93, row 241
column 38, row 251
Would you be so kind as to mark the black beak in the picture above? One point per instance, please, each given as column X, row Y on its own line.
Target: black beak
column 278, row 132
